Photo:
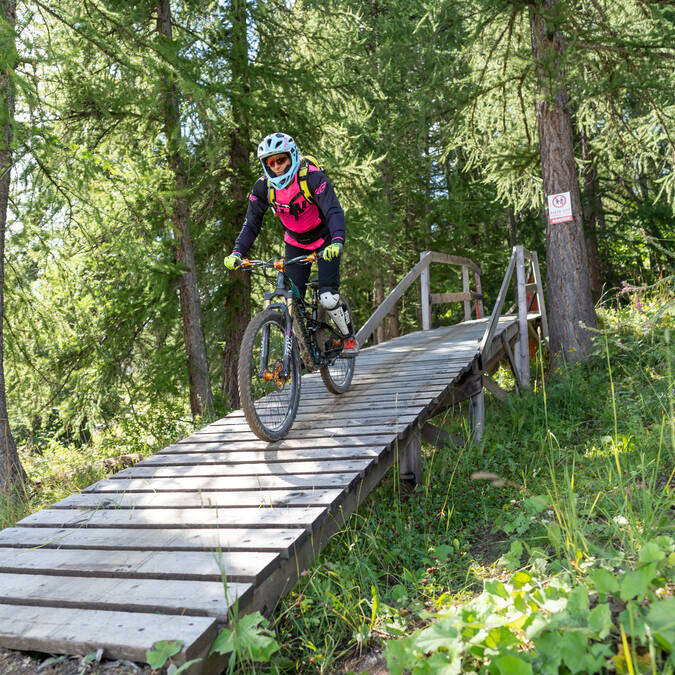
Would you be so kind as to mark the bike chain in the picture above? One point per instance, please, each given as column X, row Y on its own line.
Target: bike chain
column 301, row 337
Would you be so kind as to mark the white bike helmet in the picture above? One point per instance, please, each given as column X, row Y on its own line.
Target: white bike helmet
column 275, row 144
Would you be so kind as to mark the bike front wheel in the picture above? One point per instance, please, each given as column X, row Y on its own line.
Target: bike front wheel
column 269, row 399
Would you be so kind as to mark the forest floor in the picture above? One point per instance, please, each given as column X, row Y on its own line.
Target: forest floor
column 24, row 663
column 551, row 540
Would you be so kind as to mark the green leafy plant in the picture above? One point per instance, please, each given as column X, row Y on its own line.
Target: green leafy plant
column 162, row 652
column 248, row 640
column 537, row 623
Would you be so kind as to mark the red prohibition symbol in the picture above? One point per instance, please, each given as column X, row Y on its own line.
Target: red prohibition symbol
column 559, row 201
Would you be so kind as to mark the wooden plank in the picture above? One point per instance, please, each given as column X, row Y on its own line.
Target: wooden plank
column 221, row 484
column 249, row 566
column 247, row 517
column 185, row 500
column 179, row 539
column 243, row 457
column 258, row 469
column 455, row 260
column 308, row 419
column 442, row 298
column 122, row 635
column 494, row 388
column 315, row 419
column 440, row 437
column 387, row 403
column 440, row 365
column 197, row 598
column 204, row 445
column 333, row 430
column 411, row 386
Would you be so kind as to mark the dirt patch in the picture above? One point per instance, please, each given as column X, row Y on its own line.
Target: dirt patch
column 370, row 662
column 23, row 663
column 489, row 546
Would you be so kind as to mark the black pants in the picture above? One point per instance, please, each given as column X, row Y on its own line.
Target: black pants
column 329, row 271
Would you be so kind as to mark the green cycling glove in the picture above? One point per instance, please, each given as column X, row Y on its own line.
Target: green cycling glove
column 233, row 261
column 332, row 251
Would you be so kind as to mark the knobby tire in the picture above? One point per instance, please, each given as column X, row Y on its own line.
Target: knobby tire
column 338, row 376
column 269, row 410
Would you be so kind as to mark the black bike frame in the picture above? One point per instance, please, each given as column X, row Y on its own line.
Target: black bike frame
column 287, row 290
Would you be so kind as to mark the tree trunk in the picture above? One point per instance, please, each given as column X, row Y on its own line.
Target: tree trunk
column 378, row 299
column 592, row 210
column 238, row 309
column 394, row 323
column 11, row 472
column 568, row 282
column 201, row 396
column 513, row 229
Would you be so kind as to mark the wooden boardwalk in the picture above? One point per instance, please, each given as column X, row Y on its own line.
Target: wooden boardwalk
column 160, row 551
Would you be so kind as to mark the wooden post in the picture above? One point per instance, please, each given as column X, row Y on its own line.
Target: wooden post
column 425, row 278
column 522, row 347
column 477, row 413
column 466, row 289
column 480, row 311
column 540, row 293
column 410, row 457
column 512, row 361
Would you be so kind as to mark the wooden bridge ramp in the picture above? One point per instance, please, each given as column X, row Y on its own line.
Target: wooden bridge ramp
column 160, row 551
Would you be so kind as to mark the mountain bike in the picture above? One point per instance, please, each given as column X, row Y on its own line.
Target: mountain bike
column 287, row 335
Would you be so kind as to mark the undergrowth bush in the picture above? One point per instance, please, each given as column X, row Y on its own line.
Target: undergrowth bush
column 57, row 467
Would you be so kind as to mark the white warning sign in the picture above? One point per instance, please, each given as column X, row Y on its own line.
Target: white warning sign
column 559, row 208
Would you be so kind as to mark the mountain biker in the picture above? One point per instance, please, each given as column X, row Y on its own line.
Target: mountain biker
column 315, row 224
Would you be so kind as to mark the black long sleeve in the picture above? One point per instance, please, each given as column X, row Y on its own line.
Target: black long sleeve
column 258, row 203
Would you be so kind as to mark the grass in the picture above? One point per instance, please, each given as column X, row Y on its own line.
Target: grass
column 548, row 549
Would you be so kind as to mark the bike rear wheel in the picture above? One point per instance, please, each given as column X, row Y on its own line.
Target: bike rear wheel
column 338, row 375
column 270, row 402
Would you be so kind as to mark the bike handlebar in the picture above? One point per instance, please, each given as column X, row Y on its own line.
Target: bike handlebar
column 278, row 264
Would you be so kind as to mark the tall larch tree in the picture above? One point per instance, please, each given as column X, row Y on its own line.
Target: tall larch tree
column 201, row 396
column 239, row 290
column 568, row 281
column 11, row 471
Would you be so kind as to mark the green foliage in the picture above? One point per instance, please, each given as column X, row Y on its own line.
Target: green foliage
column 162, row 652
column 248, row 641
column 533, row 622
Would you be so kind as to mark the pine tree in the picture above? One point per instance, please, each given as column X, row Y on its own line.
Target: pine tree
column 11, row 472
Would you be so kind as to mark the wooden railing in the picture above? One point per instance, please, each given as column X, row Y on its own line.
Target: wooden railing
column 421, row 270
column 527, row 282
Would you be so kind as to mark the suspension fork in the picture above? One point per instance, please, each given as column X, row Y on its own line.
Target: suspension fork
column 287, row 310
column 264, row 351
column 288, row 337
